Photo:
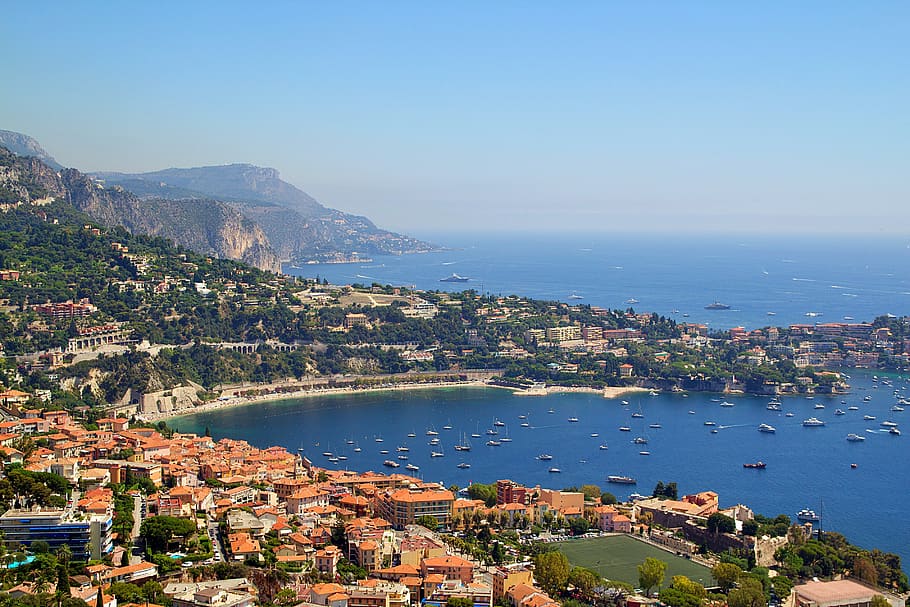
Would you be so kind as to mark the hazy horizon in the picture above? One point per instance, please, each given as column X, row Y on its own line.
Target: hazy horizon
column 672, row 117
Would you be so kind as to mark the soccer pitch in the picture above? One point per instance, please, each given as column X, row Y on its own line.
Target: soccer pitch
column 618, row 557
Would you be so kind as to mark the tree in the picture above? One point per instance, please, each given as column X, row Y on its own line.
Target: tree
column 750, row 527
column 551, row 570
column 459, row 601
column 865, row 571
column 879, row 601
column 159, row 530
column 579, row 526
column 721, row 523
column 749, row 593
column 650, row 574
column 430, row 522
column 725, row 574
column 584, row 581
column 607, row 498
column 285, row 597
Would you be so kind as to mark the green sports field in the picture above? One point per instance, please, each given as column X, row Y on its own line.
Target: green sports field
column 618, row 557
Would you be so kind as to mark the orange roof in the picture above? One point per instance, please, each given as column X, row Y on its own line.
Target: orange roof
column 446, row 561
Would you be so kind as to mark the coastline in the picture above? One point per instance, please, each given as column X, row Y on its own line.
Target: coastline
column 271, row 396
column 241, row 401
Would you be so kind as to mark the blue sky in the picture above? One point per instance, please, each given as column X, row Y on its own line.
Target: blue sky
column 700, row 116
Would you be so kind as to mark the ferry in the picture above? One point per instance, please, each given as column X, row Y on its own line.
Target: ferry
column 760, row 465
column 545, row 457
column 813, row 422
column 767, row 428
column 454, row 278
column 621, row 480
column 717, row 306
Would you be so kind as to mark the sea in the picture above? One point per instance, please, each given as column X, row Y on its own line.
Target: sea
column 858, row 488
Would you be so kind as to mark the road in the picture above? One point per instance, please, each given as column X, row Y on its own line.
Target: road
column 139, row 513
column 212, row 526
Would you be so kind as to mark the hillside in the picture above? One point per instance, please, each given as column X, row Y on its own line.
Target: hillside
column 203, row 225
column 23, row 145
column 298, row 227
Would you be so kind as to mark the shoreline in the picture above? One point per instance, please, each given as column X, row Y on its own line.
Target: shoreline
column 233, row 402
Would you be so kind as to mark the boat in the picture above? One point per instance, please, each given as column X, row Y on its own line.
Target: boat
column 551, row 411
column 807, row 516
column 505, row 439
column 357, row 449
column 624, row 402
column 632, row 300
column 713, row 430
column 888, row 424
column 710, row 423
column 621, row 480
column 773, row 407
column 454, row 278
column 402, row 449
column 475, row 434
column 434, row 441
column 655, row 426
column 573, row 419
column 463, row 465
column 644, row 453
column 640, row 440
column 767, row 428
column 894, row 431
column 498, row 423
column 327, row 453
column 447, row 427
column 853, row 465
column 378, row 439
column 493, row 443
column 464, row 445
column 897, row 408
column 839, row 412
column 333, row 459
column 760, row 465
column 554, row 470
column 576, row 296
column 653, row 393
column 717, row 306
column 855, row 438
column 413, row 467
column 853, row 408
column 789, row 414
column 384, row 451
column 594, row 435
column 813, row 422
column 343, row 458
column 350, row 441
column 638, row 414
column 525, row 425
column 437, row 454
column 727, row 404
column 819, row 406
column 412, row 435
column 691, row 412
column 492, row 432
column 432, row 432
column 403, row 457
column 391, row 464
column 625, row 429
column 545, row 457
column 603, row 447
column 867, row 398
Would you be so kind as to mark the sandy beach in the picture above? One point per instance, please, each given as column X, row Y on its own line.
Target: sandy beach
column 280, row 391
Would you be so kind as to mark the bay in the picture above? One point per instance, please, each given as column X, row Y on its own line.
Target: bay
column 806, row 467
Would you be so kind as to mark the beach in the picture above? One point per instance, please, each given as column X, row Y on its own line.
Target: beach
column 279, row 391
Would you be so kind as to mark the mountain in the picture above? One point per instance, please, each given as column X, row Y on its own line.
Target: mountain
column 23, row 145
column 207, row 226
column 299, row 228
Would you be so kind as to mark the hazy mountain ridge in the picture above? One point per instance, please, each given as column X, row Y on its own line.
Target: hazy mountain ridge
column 209, row 227
column 299, row 228
column 23, row 145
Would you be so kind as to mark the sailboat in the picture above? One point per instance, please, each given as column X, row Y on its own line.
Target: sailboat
column 464, row 444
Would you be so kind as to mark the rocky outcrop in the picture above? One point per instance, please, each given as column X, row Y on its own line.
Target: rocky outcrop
column 298, row 227
column 206, row 226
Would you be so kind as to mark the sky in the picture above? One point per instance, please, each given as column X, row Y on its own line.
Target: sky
column 451, row 116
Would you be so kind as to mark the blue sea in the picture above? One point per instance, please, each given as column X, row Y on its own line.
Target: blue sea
column 674, row 276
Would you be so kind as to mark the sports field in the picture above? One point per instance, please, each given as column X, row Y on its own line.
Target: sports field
column 618, row 557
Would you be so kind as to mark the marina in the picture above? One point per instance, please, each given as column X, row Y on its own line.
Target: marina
column 801, row 462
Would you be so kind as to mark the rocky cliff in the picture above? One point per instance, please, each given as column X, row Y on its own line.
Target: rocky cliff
column 298, row 227
column 203, row 225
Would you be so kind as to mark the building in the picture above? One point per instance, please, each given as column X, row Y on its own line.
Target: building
column 510, row 492
column 212, row 597
column 563, row 333
column 88, row 536
column 404, row 506
column 450, row 567
column 840, row 593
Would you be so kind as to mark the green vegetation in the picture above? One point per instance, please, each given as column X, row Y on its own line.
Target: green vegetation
column 618, row 557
